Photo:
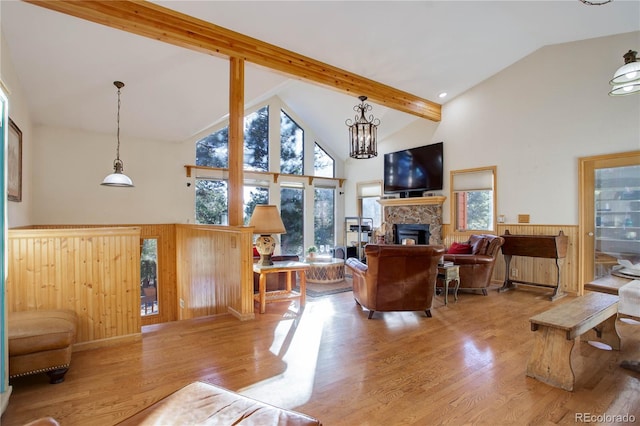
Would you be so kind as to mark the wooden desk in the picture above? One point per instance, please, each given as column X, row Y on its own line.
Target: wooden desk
column 544, row 246
column 264, row 296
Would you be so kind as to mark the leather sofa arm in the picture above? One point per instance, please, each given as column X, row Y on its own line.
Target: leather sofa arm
column 355, row 264
column 468, row 259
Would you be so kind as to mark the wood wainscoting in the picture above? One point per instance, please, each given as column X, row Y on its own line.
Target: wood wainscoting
column 66, row 266
column 93, row 271
column 165, row 233
column 529, row 268
column 214, row 270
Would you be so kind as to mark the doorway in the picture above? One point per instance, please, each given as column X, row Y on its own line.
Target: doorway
column 149, row 286
column 609, row 220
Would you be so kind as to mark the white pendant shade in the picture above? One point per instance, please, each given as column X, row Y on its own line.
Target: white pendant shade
column 625, row 89
column 626, row 73
column 626, row 79
column 117, row 179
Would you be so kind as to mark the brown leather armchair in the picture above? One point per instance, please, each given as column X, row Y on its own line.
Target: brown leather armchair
column 476, row 268
column 396, row 277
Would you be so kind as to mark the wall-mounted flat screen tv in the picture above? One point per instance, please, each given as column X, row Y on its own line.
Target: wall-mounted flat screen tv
column 414, row 171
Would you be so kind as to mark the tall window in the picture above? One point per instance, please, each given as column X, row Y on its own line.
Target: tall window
column 213, row 151
column 368, row 195
column 323, row 164
column 254, row 195
column 211, row 202
column 291, row 146
column 256, row 140
column 292, row 213
column 473, row 195
column 323, row 217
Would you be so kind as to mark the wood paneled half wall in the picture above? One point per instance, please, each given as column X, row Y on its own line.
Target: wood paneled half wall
column 93, row 271
column 214, row 268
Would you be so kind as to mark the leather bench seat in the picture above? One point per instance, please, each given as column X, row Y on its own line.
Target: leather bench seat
column 205, row 404
column 41, row 341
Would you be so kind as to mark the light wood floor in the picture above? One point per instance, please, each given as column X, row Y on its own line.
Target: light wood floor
column 466, row 365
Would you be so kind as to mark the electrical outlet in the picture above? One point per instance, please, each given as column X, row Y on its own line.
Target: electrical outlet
column 514, row 272
column 182, row 303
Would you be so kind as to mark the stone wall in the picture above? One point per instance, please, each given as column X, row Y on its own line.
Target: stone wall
column 424, row 214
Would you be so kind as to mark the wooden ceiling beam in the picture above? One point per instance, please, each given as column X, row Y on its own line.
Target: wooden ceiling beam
column 166, row 25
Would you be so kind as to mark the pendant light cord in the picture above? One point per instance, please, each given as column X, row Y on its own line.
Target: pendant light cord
column 118, row 131
column 119, row 85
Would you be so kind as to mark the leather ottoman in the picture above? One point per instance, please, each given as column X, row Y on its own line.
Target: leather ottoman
column 41, row 342
column 201, row 403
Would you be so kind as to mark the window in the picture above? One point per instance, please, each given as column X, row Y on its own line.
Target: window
column 368, row 195
column 256, row 140
column 473, row 199
column 213, row 149
column 292, row 213
column 323, row 164
column 291, row 146
column 324, row 218
column 211, row 202
column 254, row 195
column 149, row 277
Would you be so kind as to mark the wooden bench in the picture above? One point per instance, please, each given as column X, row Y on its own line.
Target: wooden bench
column 590, row 317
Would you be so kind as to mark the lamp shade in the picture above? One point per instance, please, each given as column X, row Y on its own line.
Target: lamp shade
column 117, row 179
column 626, row 73
column 625, row 89
column 266, row 220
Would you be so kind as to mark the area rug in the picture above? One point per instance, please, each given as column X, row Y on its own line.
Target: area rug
column 319, row 290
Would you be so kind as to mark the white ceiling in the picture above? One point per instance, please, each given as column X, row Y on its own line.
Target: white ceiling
column 67, row 66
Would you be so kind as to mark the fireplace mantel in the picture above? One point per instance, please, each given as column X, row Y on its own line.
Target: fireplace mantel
column 412, row 201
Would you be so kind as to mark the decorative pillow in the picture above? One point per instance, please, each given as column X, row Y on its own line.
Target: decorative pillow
column 255, row 252
column 478, row 244
column 458, row 248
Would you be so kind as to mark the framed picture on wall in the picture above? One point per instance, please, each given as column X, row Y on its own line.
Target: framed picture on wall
column 14, row 163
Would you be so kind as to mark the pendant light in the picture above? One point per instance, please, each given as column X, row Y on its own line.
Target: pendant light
column 117, row 178
column 626, row 79
column 363, row 132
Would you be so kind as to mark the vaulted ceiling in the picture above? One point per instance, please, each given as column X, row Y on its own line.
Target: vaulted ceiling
column 67, row 66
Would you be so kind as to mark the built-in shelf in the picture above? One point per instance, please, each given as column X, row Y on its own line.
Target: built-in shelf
column 413, row 201
column 191, row 167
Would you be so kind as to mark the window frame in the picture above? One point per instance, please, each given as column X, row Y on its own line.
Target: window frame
column 370, row 189
column 455, row 189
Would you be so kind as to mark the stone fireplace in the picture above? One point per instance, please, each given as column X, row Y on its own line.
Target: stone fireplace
column 420, row 211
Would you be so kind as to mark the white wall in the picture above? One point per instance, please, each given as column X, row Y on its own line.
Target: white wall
column 533, row 121
column 70, row 164
column 18, row 213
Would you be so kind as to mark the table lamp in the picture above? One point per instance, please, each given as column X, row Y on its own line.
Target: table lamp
column 266, row 221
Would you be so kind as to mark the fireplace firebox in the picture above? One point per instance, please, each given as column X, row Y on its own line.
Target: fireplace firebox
column 417, row 232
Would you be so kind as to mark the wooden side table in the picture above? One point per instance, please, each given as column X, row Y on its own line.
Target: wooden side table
column 264, row 296
column 448, row 274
